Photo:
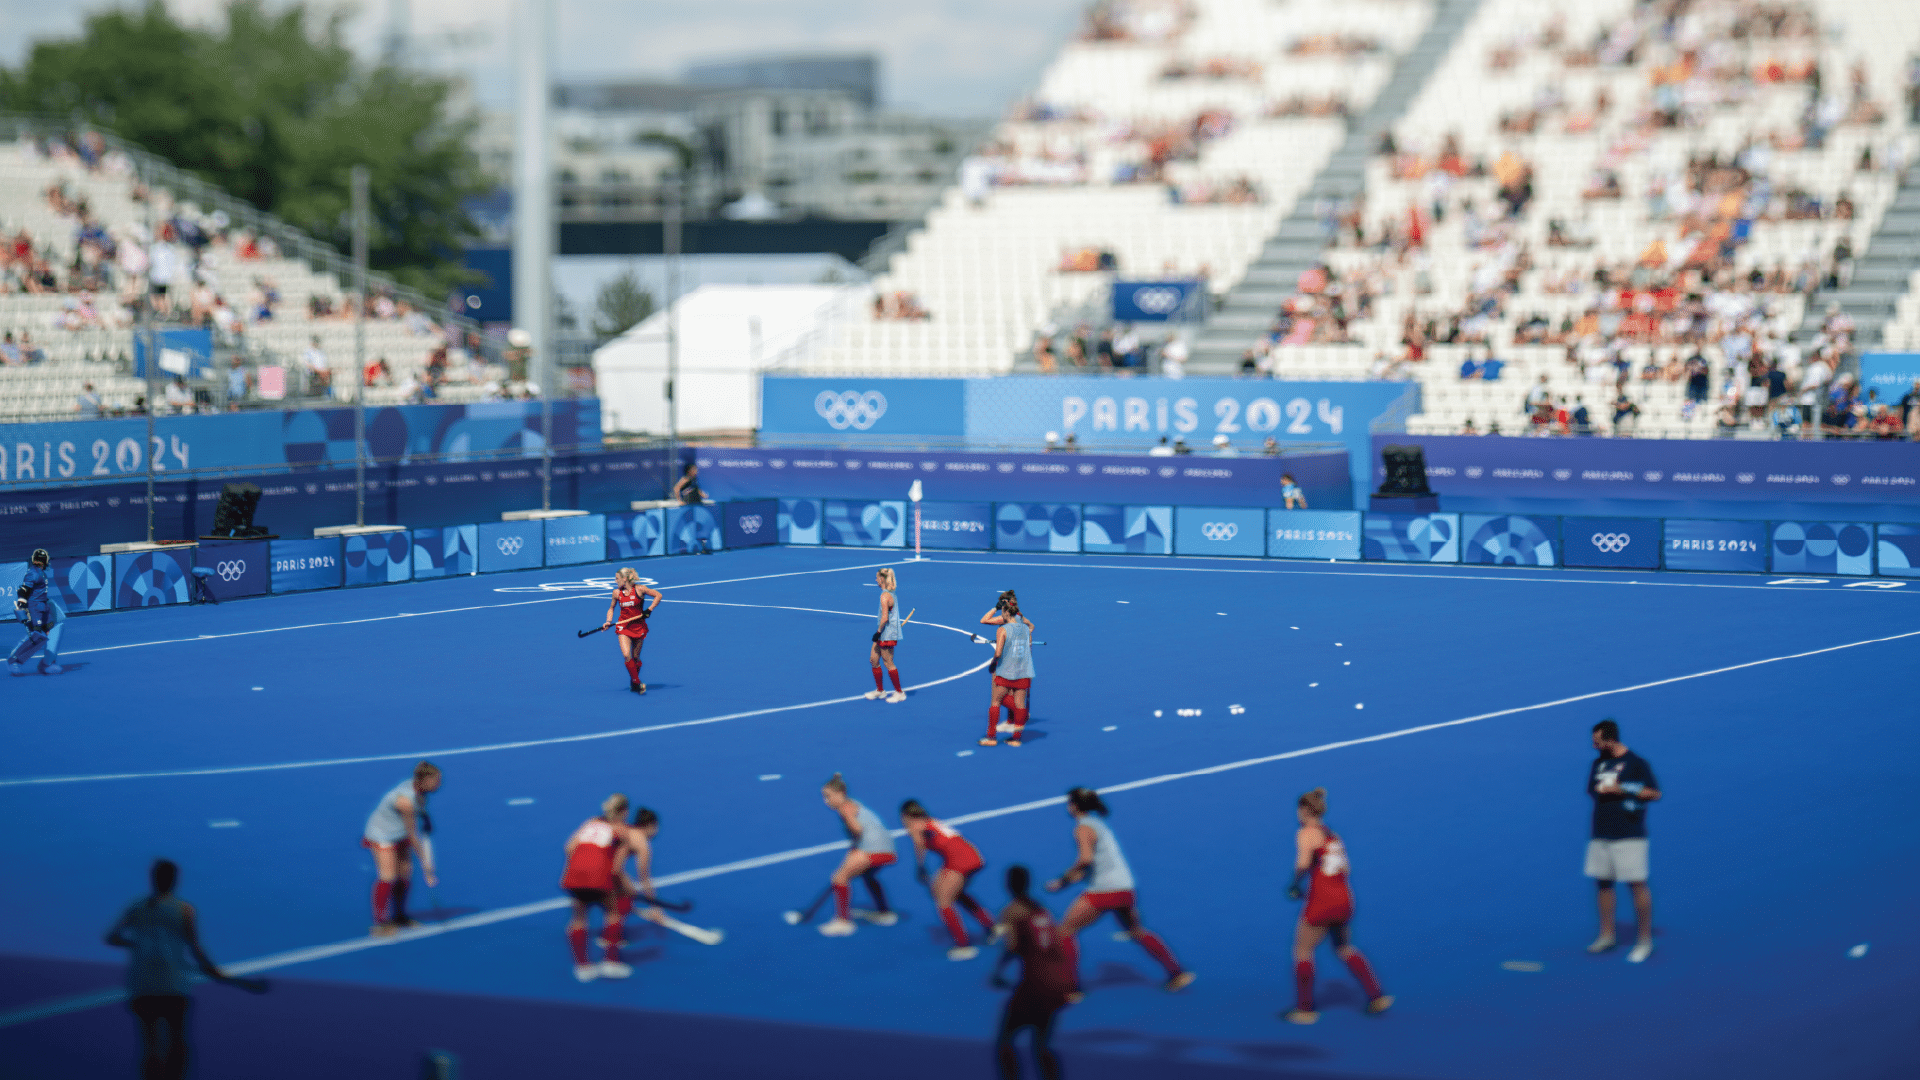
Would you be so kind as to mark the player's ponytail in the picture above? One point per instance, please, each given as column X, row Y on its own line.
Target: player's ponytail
column 1087, row 801
column 1019, row 880
column 615, row 807
column 887, row 580
column 626, row 575
column 912, row 809
column 644, row 817
column 1315, row 802
column 1009, row 603
column 837, row 785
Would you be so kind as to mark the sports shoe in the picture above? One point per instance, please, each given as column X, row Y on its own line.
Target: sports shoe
column 17, row 669
column 643, row 688
column 1180, row 982
column 989, row 742
column 837, row 927
column 1641, row 950
column 50, row 669
column 1601, row 944
column 880, row 918
column 614, row 969
column 633, row 685
column 896, row 697
column 875, row 695
column 1300, row 1016
column 586, row 972
column 1380, row 1004
column 1015, row 741
column 381, row 929
column 962, row 952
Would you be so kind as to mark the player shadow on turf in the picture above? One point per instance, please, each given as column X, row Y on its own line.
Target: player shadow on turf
column 442, row 914
column 1172, row 1047
column 1117, row 974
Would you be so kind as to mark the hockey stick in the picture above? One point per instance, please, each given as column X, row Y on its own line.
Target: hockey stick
column 978, row 640
column 622, row 622
column 704, row 937
column 795, row 918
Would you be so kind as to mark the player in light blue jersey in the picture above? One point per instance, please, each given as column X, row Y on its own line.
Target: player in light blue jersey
column 869, row 847
column 1012, row 667
column 892, row 625
column 1109, row 886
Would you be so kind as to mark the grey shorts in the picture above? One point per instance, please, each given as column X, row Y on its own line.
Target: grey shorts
column 1617, row 860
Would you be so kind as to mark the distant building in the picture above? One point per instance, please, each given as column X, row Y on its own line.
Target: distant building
column 856, row 74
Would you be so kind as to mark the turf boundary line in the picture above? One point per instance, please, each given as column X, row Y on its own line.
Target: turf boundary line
column 95, row 999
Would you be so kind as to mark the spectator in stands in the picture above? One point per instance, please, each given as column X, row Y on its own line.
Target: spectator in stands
column 1697, row 377
column 1625, row 413
column 239, row 380
column 1127, row 350
column 1043, row 355
column 1180, row 445
column 179, row 398
column 10, row 353
column 1468, row 428
column 1270, row 448
column 1910, row 410
column 1813, row 381
column 1223, row 447
column 88, row 403
column 319, row 370
column 1161, row 449
column 1173, row 357
column 378, row 373
column 1539, row 394
column 1581, row 420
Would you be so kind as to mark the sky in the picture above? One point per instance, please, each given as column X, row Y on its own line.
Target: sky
column 942, row 57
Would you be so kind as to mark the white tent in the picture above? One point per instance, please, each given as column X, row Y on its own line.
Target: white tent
column 728, row 335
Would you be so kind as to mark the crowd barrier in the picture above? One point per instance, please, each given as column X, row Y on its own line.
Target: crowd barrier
column 91, row 583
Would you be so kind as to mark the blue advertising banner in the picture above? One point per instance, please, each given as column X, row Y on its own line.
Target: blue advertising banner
column 692, row 529
column 1219, row 530
column 1739, row 546
column 639, row 534
column 753, row 523
column 1822, row 547
column 1126, row 530
column 1158, row 301
column 800, row 521
column 1510, row 540
column 1412, row 537
column 1036, row 527
column 1898, row 549
column 1679, row 469
column 445, row 552
column 77, row 451
column 11, row 574
column 574, row 540
column 80, row 583
column 151, row 578
column 236, row 570
column 378, row 558
column 963, row 525
column 509, row 545
column 863, row 406
column 864, row 524
column 1313, row 534
column 957, row 476
column 1892, row 374
column 1611, row 543
column 307, row 564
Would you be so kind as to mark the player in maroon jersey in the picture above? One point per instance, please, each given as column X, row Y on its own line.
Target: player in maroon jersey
column 594, row 854
column 1047, row 978
column 1322, row 859
column 627, row 615
column 960, row 861
column 639, row 839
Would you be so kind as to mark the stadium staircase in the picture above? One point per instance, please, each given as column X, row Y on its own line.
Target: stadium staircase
column 1877, row 296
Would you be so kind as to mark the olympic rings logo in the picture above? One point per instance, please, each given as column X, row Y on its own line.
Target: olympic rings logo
column 508, row 545
column 231, row 570
column 1156, row 301
column 1612, row 543
column 851, row 409
column 750, row 524
column 1219, row 530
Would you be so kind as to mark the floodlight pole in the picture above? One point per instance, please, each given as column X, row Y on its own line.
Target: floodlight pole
column 670, row 244
column 533, row 218
column 360, row 227
column 153, row 358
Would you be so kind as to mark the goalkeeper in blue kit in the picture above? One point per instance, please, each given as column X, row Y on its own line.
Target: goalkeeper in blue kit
column 34, row 604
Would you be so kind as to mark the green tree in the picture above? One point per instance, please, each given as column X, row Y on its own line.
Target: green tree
column 621, row 305
column 272, row 106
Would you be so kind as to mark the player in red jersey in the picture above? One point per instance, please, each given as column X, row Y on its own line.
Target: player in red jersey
column 639, row 838
column 627, row 615
column 1047, row 978
column 594, row 854
column 960, row 861
column 1322, row 858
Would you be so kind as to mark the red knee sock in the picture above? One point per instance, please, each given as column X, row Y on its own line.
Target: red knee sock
column 879, row 679
column 624, row 905
column 894, row 674
column 612, row 936
column 1303, row 985
column 993, row 721
column 382, row 893
column 1363, row 971
column 973, row 908
column 1019, row 721
column 577, row 937
column 954, row 925
column 1157, row 949
column 842, row 902
column 633, row 670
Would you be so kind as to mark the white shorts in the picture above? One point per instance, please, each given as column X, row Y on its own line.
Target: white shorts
column 1617, row 860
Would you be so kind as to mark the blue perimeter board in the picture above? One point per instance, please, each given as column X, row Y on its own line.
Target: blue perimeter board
column 1466, row 840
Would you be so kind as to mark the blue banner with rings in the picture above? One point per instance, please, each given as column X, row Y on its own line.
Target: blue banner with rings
column 1509, row 540
column 151, row 578
column 753, row 523
column 956, row 525
column 1126, row 530
column 800, row 521
column 446, row 552
column 1822, row 547
column 1219, row 530
column 233, row 570
column 1412, row 537
column 1611, row 543
column 307, row 564
column 572, row 540
column 83, row 583
column 1158, row 301
column 641, row 534
column 1036, row 527
column 864, row 524
column 509, row 545
column 1313, row 534
column 1693, row 544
